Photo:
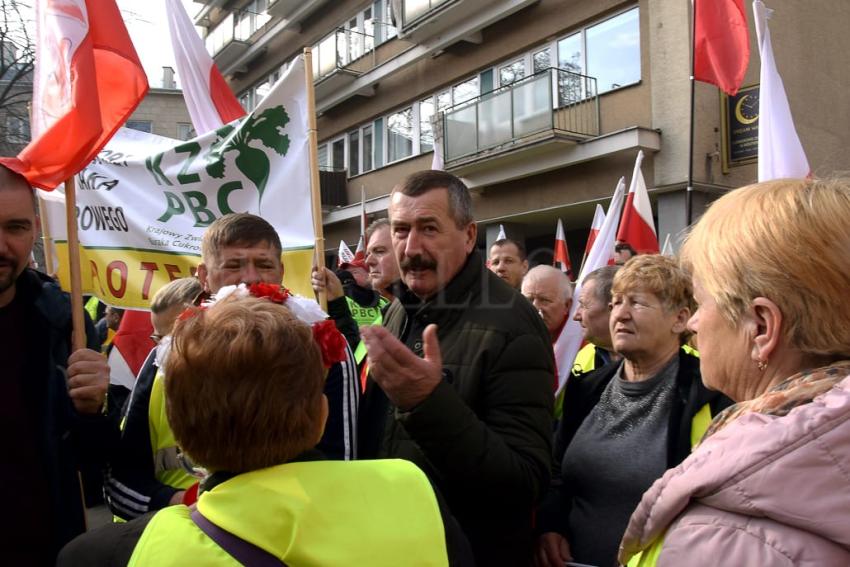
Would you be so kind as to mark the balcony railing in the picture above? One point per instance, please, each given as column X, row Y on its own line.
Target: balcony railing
column 414, row 10
column 236, row 26
column 339, row 49
column 553, row 101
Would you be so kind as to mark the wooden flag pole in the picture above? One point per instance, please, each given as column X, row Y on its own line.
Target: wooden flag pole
column 79, row 336
column 315, row 188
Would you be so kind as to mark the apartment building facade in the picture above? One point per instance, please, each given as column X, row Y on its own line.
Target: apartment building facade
column 539, row 105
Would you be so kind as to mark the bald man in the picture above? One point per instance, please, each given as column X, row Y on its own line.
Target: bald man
column 52, row 402
column 551, row 293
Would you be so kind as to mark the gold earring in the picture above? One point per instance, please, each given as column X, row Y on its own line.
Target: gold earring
column 762, row 364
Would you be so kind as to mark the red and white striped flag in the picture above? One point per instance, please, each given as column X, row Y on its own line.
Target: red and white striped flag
column 595, row 226
column 561, row 258
column 571, row 337
column 637, row 227
column 360, row 251
column 781, row 154
column 209, row 99
column 88, row 80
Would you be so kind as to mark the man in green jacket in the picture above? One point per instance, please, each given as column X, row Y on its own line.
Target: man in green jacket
column 460, row 376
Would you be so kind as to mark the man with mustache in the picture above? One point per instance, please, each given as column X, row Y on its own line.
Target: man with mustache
column 460, row 375
column 51, row 410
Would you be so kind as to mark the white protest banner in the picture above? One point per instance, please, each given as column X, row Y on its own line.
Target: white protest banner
column 143, row 204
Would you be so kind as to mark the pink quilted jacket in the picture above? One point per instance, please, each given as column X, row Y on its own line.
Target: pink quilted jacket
column 763, row 490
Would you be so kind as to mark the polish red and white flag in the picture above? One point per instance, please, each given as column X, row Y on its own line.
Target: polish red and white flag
column 781, row 153
column 595, row 226
column 210, row 101
column 636, row 226
column 561, row 258
column 88, row 80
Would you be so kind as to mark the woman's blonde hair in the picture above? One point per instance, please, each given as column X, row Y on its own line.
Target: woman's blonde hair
column 244, row 386
column 786, row 240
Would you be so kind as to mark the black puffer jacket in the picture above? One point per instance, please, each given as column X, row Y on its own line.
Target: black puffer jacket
column 484, row 435
column 66, row 438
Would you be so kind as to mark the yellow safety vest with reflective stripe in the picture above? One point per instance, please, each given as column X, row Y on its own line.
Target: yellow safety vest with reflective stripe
column 585, row 360
column 167, row 468
column 329, row 513
column 649, row 556
column 371, row 316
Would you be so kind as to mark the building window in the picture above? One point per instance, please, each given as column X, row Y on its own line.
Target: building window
column 17, row 129
column 367, row 148
column 140, row 125
column 400, row 135
column 426, row 131
column 613, row 51
column 354, row 153
column 185, row 131
column 323, row 156
column 338, row 154
column 465, row 91
column 511, row 72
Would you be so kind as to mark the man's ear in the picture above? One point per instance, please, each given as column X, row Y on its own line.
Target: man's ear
column 202, row 274
column 767, row 323
column 471, row 234
column 681, row 323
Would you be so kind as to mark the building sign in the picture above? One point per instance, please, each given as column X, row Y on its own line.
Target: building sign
column 740, row 123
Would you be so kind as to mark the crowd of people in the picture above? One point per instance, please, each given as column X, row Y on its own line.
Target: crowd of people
column 705, row 421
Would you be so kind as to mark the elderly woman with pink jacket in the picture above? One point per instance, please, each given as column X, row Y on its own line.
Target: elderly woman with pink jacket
column 770, row 482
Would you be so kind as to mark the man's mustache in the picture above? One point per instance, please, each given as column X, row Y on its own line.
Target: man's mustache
column 417, row 262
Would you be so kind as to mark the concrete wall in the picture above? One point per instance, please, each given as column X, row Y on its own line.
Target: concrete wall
column 164, row 108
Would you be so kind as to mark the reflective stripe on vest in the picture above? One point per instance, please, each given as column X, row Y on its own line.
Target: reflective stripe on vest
column 167, row 468
column 585, row 359
column 330, row 513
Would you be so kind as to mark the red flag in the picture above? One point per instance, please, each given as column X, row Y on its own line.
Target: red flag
column 88, row 80
column 360, row 251
column 562, row 258
column 131, row 346
column 721, row 43
column 636, row 225
column 595, row 226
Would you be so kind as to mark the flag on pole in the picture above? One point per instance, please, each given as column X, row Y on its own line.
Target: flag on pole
column 360, row 251
column 721, row 43
column 561, row 258
column 570, row 339
column 130, row 348
column 780, row 152
column 210, row 101
column 364, row 223
column 667, row 249
column 595, row 226
column 344, row 256
column 501, row 235
column 637, row 227
column 88, row 79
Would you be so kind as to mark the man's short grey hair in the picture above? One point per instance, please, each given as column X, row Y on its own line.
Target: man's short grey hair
column 460, row 203
column 565, row 287
column 377, row 225
column 604, row 278
column 183, row 291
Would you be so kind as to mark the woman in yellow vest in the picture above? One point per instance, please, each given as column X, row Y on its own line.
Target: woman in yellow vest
column 244, row 399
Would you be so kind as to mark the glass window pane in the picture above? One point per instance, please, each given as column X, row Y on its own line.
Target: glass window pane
column 400, row 135
column 379, row 142
column 367, row 148
column 323, row 156
column 613, row 51
column 444, row 100
column 426, row 132
column 390, row 30
column 570, row 65
column 338, row 155
column 532, row 106
column 494, row 119
column 511, row 72
column 368, row 30
column 354, row 153
column 414, row 8
column 542, row 60
column 465, row 91
column 460, row 136
column 140, row 125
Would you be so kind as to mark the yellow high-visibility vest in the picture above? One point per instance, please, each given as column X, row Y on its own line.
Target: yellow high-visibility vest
column 329, row 513
column 167, row 468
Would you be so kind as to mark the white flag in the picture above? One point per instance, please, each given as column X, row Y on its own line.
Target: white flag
column 780, row 151
column 501, row 235
column 569, row 342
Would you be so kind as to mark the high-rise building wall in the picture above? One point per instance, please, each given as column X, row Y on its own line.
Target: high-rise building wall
column 542, row 105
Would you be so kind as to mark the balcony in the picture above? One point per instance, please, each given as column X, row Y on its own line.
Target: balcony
column 339, row 59
column 552, row 106
column 422, row 20
column 230, row 39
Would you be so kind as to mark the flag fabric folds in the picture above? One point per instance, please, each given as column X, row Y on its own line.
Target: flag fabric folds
column 501, row 235
column 570, row 339
column 721, row 43
column 781, row 154
column 88, row 80
column 210, row 101
column 345, row 255
column 561, row 259
column 637, row 227
column 595, row 226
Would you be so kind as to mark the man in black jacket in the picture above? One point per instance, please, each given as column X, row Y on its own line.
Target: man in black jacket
column 460, row 376
column 51, row 407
